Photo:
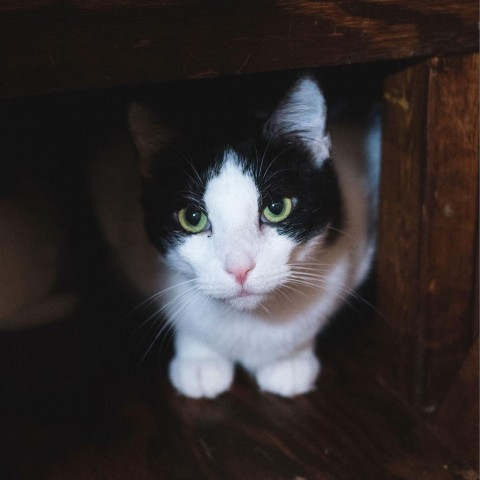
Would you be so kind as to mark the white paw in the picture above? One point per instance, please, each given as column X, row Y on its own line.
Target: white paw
column 292, row 376
column 206, row 377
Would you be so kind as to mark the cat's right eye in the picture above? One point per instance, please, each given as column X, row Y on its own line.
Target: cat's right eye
column 193, row 220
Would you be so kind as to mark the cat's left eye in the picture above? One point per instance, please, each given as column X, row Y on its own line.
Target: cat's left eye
column 278, row 210
column 193, row 220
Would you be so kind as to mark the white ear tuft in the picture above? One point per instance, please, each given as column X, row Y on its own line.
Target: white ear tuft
column 302, row 114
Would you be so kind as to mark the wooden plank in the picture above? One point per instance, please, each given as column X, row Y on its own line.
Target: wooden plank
column 404, row 116
column 48, row 45
column 428, row 226
column 449, row 220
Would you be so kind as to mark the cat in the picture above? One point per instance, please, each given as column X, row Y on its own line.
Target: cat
column 260, row 229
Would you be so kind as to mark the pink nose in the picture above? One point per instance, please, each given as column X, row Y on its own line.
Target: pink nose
column 240, row 272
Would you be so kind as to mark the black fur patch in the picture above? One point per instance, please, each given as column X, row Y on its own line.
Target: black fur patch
column 280, row 167
column 279, row 170
column 288, row 169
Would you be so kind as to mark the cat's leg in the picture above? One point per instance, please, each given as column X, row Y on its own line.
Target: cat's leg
column 198, row 371
column 289, row 376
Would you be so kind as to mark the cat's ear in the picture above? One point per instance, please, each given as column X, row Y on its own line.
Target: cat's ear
column 148, row 132
column 302, row 115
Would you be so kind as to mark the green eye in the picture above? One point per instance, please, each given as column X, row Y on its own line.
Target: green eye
column 278, row 210
column 192, row 220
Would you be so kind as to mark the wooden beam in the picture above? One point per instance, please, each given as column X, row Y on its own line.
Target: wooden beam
column 449, row 220
column 399, row 229
column 428, row 228
column 59, row 45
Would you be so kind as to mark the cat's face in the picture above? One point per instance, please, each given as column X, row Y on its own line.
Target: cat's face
column 239, row 217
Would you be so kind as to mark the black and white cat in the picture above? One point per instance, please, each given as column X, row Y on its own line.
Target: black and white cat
column 261, row 235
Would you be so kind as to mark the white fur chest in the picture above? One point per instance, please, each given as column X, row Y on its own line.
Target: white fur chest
column 257, row 339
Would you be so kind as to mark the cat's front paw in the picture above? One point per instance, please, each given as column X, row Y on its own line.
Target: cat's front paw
column 291, row 376
column 197, row 378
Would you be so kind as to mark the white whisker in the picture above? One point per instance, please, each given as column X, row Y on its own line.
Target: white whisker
column 173, row 317
column 155, row 296
column 264, row 177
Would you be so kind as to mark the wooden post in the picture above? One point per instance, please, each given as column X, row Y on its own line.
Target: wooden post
column 428, row 228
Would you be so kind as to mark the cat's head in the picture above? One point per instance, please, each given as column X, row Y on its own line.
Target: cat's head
column 239, row 213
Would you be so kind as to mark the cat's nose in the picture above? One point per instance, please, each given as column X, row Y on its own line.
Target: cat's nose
column 240, row 272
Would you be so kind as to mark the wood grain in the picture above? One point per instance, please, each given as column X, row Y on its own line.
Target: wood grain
column 49, row 45
column 399, row 229
column 428, row 236
column 449, row 220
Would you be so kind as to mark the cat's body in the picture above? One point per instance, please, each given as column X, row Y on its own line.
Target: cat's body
column 262, row 237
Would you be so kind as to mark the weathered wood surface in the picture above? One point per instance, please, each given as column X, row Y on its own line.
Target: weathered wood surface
column 450, row 220
column 56, row 45
column 428, row 230
column 399, row 228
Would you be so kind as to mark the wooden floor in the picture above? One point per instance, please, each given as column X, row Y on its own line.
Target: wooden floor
column 76, row 406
